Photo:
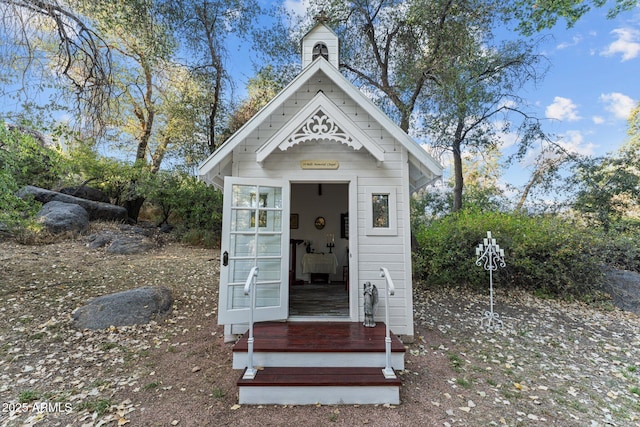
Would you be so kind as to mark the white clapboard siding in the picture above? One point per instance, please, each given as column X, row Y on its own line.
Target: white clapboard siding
column 386, row 159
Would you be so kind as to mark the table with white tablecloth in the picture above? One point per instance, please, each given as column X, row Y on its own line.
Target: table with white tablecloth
column 316, row 264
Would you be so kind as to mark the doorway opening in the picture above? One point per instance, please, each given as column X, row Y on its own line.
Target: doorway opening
column 319, row 258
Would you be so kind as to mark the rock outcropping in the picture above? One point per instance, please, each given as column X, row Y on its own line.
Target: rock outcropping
column 96, row 210
column 132, row 307
column 624, row 288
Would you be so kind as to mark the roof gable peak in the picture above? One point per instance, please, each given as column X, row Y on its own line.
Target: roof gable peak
column 320, row 119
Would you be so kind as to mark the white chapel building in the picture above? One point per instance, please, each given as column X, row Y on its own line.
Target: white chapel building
column 317, row 189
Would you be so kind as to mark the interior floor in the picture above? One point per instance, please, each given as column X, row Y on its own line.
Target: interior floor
column 319, row 299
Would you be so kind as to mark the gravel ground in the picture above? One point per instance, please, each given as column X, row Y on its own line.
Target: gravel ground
column 553, row 363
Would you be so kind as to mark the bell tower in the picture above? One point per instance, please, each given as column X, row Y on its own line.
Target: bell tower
column 320, row 41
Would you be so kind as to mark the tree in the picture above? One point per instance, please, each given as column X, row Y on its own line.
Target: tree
column 119, row 53
column 536, row 15
column 476, row 97
column 547, row 165
column 24, row 160
column 383, row 46
column 52, row 38
column 204, row 27
column 608, row 188
column 435, row 68
column 260, row 90
column 634, row 126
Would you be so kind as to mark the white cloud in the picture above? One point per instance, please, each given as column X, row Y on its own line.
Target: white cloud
column 298, row 7
column 508, row 139
column 574, row 42
column 618, row 104
column 573, row 142
column 598, row 120
column 627, row 44
column 562, row 109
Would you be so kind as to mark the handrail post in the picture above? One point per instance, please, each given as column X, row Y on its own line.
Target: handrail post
column 390, row 290
column 250, row 290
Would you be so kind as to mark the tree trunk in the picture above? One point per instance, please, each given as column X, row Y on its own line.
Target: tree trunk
column 525, row 193
column 145, row 116
column 215, row 53
column 158, row 156
column 456, row 148
column 457, row 175
column 133, row 207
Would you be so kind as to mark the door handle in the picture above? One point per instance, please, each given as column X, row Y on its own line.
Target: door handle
column 225, row 258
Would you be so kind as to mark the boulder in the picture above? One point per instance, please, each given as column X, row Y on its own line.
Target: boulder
column 96, row 210
column 133, row 307
column 59, row 217
column 130, row 245
column 85, row 192
column 624, row 288
column 102, row 239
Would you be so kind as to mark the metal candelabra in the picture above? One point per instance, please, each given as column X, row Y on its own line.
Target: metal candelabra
column 490, row 256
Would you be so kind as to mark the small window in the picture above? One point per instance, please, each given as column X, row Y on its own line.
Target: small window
column 381, row 211
column 320, row 49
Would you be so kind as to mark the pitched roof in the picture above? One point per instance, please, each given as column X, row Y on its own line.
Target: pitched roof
column 425, row 168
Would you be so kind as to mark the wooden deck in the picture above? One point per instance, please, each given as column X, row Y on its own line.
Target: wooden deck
column 325, row 337
column 304, row 363
column 319, row 377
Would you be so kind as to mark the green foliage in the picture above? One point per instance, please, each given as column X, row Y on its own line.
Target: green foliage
column 28, row 396
column 99, row 406
column 119, row 180
column 31, row 162
column 438, row 202
column 534, row 16
column 607, row 187
column 23, row 161
column 620, row 249
column 194, row 207
column 261, row 89
column 548, row 255
column 181, row 199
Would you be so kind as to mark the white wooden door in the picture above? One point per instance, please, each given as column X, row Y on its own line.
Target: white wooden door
column 255, row 232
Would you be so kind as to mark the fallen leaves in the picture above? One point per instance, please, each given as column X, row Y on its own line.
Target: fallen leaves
column 561, row 357
column 41, row 354
column 553, row 363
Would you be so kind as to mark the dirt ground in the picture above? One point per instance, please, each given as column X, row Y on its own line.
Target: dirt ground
column 553, row 363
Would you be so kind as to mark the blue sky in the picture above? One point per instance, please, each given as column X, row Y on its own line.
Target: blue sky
column 592, row 84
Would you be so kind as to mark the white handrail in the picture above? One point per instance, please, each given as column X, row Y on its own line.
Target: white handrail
column 391, row 289
column 250, row 373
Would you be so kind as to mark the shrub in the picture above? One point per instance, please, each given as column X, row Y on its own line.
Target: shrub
column 126, row 184
column 621, row 250
column 194, row 208
column 543, row 254
column 23, row 161
column 29, row 160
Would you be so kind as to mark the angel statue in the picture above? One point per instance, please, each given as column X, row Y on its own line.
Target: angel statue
column 370, row 304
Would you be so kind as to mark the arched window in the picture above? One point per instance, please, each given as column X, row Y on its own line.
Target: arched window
column 320, row 49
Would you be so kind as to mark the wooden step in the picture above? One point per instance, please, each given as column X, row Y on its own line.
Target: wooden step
column 328, row 386
column 328, row 344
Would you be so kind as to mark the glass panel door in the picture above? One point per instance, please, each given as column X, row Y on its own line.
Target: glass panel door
column 255, row 232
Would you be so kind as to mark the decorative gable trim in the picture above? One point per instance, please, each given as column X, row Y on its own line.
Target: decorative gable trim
column 431, row 166
column 317, row 121
column 318, row 127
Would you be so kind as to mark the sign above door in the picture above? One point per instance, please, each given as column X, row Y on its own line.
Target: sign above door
column 320, row 164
